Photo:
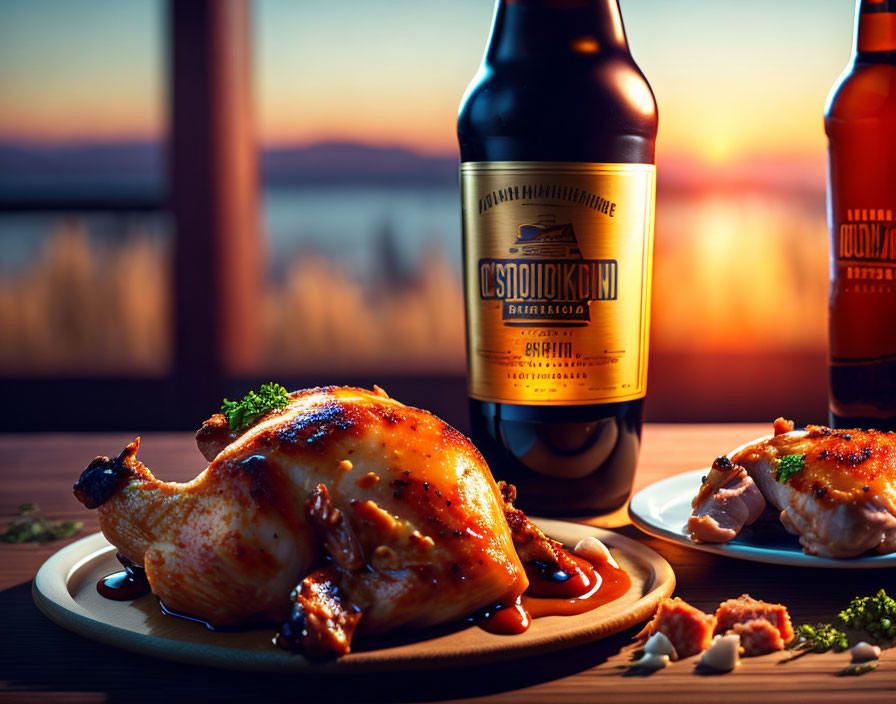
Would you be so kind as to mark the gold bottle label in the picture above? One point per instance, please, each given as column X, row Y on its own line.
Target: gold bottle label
column 557, row 267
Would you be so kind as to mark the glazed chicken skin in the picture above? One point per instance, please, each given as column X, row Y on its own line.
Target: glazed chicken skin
column 840, row 497
column 382, row 514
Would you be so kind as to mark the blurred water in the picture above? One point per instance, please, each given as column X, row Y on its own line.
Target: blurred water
column 25, row 236
column 355, row 224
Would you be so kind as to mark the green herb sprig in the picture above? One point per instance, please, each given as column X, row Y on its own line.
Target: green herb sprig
column 789, row 465
column 822, row 637
column 269, row 397
column 875, row 614
column 31, row 527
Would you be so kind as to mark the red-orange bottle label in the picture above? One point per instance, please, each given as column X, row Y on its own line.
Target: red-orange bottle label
column 864, row 250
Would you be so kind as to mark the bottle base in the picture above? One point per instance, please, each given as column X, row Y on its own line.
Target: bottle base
column 863, row 394
column 885, row 424
column 570, row 461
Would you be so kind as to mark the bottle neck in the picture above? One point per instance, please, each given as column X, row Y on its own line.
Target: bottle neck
column 524, row 30
column 875, row 35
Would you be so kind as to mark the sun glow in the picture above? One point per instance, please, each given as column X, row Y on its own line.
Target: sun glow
column 740, row 272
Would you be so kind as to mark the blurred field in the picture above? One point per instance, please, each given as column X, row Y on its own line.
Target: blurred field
column 323, row 319
column 80, row 308
column 734, row 275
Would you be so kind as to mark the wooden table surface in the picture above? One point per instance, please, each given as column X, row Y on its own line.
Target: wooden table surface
column 40, row 661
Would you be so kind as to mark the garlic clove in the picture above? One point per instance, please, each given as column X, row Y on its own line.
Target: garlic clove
column 594, row 551
column 864, row 652
column 659, row 644
column 651, row 661
column 723, row 654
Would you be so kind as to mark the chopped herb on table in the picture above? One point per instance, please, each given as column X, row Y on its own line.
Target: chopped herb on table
column 875, row 614
column 822, row 637
column 860, row 669
column 31, row 527
column 269, row 397
column 789, row 465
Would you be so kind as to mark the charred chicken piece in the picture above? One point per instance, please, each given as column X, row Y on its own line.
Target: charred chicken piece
column 687, row 628
column 531, row 544
column 745, row 609
column 758, row 636
column 322, row 622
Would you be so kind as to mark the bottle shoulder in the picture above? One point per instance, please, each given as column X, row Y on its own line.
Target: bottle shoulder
column 864, row 91
column 517, row 99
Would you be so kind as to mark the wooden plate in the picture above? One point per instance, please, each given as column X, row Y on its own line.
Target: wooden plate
column 64, row 589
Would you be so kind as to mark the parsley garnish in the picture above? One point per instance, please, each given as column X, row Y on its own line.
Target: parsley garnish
column 789, row 465
column 270, row 397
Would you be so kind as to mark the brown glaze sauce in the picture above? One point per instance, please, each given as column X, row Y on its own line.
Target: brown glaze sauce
column 504, row 619
column 130, row 583
column 196, row 619
column 555, row 593
column 551, row 592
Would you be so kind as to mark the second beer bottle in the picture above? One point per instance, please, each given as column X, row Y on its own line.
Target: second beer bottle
column 860, row 121
column 557, row 134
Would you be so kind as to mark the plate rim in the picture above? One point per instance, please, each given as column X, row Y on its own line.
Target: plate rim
column 641, row 519
column 54, row 573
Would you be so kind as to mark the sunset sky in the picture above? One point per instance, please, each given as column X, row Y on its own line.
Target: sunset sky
column 741, row 87
column 734, row 80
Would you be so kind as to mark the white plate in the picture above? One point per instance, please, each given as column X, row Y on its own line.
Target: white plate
column 662, row 510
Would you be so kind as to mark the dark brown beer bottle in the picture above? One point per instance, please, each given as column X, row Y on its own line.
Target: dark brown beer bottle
column 860, row 121
column 557, row 135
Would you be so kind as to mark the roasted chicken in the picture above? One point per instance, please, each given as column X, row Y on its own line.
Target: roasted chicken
column 395, row 510
column 835, row 489
column 344, row 510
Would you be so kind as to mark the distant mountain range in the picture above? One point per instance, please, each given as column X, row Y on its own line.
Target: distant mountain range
column 341, row 162
column 145, row 162
column 125, row 158
column 138, row 169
